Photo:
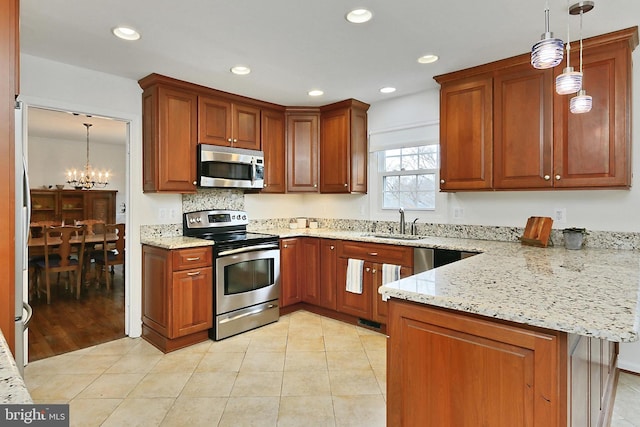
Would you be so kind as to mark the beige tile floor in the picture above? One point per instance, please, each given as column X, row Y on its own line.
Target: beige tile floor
column 304, row 370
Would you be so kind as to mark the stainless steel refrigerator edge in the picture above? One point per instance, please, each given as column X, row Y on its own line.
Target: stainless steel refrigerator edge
column 23, row 311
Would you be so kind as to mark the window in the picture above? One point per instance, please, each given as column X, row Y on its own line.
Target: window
column 409, row 177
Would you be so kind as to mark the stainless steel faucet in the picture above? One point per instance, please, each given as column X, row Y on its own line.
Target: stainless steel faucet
column 402, row 227
column 414, row 229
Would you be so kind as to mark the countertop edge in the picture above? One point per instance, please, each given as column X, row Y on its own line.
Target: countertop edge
column 12, row 387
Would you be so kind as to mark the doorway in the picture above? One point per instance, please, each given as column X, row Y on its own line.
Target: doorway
column 57, row 142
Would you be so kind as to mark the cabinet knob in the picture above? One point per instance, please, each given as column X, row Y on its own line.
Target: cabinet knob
column 195, row 182
column 442, row 181
column 235, row 140
column 373, row 271
column 547, row 177
column 557, row 177
column 265, row 185
column 285, row 246
column 228, row 139
column 315, row 185
column 346, row 185
column 332, row 247
column 367, row 269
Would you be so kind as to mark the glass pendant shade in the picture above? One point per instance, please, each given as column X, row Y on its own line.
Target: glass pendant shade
column 547, row 53
column 581, row 103
column 568, row 82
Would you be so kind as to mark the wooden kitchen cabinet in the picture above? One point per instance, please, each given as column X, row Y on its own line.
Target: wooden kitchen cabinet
column 503, row 127
column 302, row 150
column 274, row 147
column 177, row 296
column 226, row 123
column 309, row 270
column 290, row 291
column 374, row 255
column 328, row 270
column 450, row 368
column 594, row 149
column 343, row 147
column 169, row 135
column 466, row 133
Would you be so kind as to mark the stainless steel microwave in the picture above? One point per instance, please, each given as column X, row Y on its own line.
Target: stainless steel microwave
column 228, row 167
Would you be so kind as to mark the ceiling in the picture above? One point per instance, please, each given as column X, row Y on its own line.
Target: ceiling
column 293, row 46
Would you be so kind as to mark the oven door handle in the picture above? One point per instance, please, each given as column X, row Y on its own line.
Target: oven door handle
column 247, row 249
column 249, row 313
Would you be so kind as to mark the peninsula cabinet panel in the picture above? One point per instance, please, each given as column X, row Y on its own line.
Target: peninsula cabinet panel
column 273, row 145
column 593, row 149
column 466, row 136
column 302, row 151
column 226, row 123
column 523, row 131
column 169, row 139
column 447, row 368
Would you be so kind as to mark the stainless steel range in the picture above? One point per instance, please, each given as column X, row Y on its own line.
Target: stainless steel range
column 246, row 271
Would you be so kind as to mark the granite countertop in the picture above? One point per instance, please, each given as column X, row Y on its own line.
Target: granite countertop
column 590, row 292
column 12, row 387
column 177, row 242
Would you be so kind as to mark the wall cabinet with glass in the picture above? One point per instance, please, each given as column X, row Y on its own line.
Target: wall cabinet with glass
column 72, row 205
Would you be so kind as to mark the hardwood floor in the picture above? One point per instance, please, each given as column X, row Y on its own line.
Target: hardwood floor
column 68, row 324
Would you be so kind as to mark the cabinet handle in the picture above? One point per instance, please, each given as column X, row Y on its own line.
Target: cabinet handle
column 193, row 258
column 373, row 271
column 557, row 177
column 235, row 140
column 195, row 182
column 373, row 253
column 193, row 273
column 442, row 181
column 547, row 177
column 228, row 139
column 345, row 185
column 285, row 246
column 315, row 185
column 265, row 185
column 367, row 269
column 332, row 247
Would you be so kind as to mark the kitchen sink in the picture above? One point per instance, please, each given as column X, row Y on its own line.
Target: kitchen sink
column 395, row 236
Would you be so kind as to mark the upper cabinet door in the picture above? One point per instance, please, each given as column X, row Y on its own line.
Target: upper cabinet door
column 302, row 152
column 214, row 121
column 334, row 151
column 466, row 134
column 245, row 126
column 273, row 145
column 523, row 128
column 593, row 149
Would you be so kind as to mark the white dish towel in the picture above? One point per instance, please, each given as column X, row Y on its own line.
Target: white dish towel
column 390, row 273
column 354, row 275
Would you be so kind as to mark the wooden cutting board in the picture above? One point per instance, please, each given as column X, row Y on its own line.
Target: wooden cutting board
column 537, row 231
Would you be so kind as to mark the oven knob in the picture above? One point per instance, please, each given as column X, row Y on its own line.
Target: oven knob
column 244, row 217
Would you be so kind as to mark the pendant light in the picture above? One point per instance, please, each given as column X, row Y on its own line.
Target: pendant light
column 569, row 81
column 548, row 52
column 581, row 103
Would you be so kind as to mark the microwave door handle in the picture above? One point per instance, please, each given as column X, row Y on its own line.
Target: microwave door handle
column 247, row 249
column 253, row 170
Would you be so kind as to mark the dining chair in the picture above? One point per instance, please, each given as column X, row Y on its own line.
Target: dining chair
column 111, row 254
column 58, row 256
column 36, row 230
column 93, row 227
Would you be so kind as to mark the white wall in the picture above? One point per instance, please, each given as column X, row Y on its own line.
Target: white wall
column 50, row 84
column 49, row 158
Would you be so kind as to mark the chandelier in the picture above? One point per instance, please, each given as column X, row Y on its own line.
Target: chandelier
column 87, row 178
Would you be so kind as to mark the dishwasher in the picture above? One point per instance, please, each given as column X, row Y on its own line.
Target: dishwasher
column 427, row 258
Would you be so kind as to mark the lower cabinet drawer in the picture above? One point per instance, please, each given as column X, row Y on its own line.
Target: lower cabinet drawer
column 375, row 252
column 184, row 259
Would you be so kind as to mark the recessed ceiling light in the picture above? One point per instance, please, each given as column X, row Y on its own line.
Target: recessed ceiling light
column 315, row 92
column 240, row 70
column 428, row 59
column 388, row 89
column 359, row 16
column 126, row 33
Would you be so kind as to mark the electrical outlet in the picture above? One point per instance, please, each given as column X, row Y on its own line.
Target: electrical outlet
column 172, row 214
column 458, row 213
column 162, row 213
column 560, row 215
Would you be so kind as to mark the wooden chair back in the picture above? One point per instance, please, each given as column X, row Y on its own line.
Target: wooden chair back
column 58, row 254
column 112, row 252
column 36, row 228
column 94, row 226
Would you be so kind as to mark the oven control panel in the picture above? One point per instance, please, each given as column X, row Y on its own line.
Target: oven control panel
column 215, row 218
